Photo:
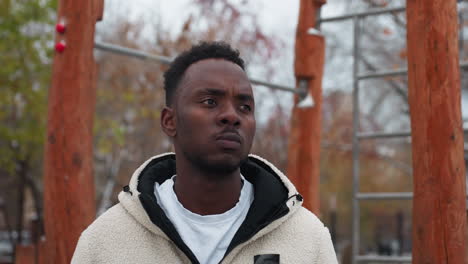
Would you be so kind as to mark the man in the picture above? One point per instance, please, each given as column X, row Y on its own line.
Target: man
column 210, row 202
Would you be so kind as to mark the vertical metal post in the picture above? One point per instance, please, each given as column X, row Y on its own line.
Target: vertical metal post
column 355, row 201
column 461, row 38
column 318, row 16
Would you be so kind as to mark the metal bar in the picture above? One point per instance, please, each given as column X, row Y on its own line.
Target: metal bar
column 385, row 196
column 383, row 259
column 355, row 202
column 167, row 60
column 380, row 74
column 132, row 52
column 464, row 64
column 275, row 86
column 461, row 37
column 318, row 17
column 370, row 12
column 373, row 135
column 397, row 72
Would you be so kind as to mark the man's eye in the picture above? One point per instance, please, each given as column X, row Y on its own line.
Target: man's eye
column 209, row 102
column 246, row 108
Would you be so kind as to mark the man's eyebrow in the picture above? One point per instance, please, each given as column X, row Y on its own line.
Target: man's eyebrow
column 219, row 92
column 245, row 97
column 212, row 91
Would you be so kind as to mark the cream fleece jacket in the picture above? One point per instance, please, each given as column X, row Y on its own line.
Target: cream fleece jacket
column 127, row 234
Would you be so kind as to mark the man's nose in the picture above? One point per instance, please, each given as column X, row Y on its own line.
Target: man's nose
column 229, row 116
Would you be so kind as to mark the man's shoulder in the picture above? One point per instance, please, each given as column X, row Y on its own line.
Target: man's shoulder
column 304, row 225
column 117, row 237
column 115, row 220
column 307, row 215
column 307, row 219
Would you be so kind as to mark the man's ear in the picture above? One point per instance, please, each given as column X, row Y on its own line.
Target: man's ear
column 168, row 122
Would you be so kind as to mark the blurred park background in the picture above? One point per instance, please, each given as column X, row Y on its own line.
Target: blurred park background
column 130, row 96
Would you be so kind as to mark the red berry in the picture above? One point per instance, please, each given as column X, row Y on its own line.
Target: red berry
column 60, row 46
column 60, row 27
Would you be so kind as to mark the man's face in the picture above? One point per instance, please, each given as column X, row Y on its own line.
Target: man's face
column 214, row 112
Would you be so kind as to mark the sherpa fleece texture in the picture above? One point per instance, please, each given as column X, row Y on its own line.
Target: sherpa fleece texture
column 125, row 234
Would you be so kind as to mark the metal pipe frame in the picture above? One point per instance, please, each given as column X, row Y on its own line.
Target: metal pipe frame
column 132, row 52
column 357, row 196
column 370, row 12
column 397, row 72
column 385, row 196
column 374, row 135
column 275, row 86
column 461, row 44
column 380, row 74
column 464, row 64
column 356, row 127
column 166, row 61
column 383, row 259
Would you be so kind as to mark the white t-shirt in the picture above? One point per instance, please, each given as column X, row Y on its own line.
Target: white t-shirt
column 208, row 236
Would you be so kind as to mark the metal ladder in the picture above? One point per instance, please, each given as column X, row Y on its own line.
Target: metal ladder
column 358, row 136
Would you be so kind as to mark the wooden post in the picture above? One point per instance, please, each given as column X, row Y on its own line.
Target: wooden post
column 30, row 254
column 69, row 203
column 439, row 210
column 25, row 254
column 304, row 142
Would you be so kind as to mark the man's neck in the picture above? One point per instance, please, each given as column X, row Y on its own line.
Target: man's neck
column 205, row 194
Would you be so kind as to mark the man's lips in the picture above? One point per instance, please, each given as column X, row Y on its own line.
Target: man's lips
column 229, row 136
column 229, row 140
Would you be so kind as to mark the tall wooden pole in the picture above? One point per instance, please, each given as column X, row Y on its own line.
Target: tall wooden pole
column 304, row 143
column 69, row 203
column 439, row 210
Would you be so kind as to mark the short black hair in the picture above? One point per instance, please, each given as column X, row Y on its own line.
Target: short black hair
column 201, row 51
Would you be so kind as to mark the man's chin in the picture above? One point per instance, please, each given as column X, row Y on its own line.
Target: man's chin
column 221, row 165
column 224, row 166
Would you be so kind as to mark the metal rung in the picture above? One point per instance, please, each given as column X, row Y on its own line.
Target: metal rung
column 464, row 64
column 376, row 258
column 388, row 196
column 383, row 135
column 275, row 86
column 397, row 72
column 167, row 60
column 385, row 196
column 132, row 52
column 374, row 135
column 370, row 12
column 381, row 74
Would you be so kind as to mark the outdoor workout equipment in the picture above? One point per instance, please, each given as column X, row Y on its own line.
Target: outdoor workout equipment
column 425, row 250
column 166, row 60
column 69, row 204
